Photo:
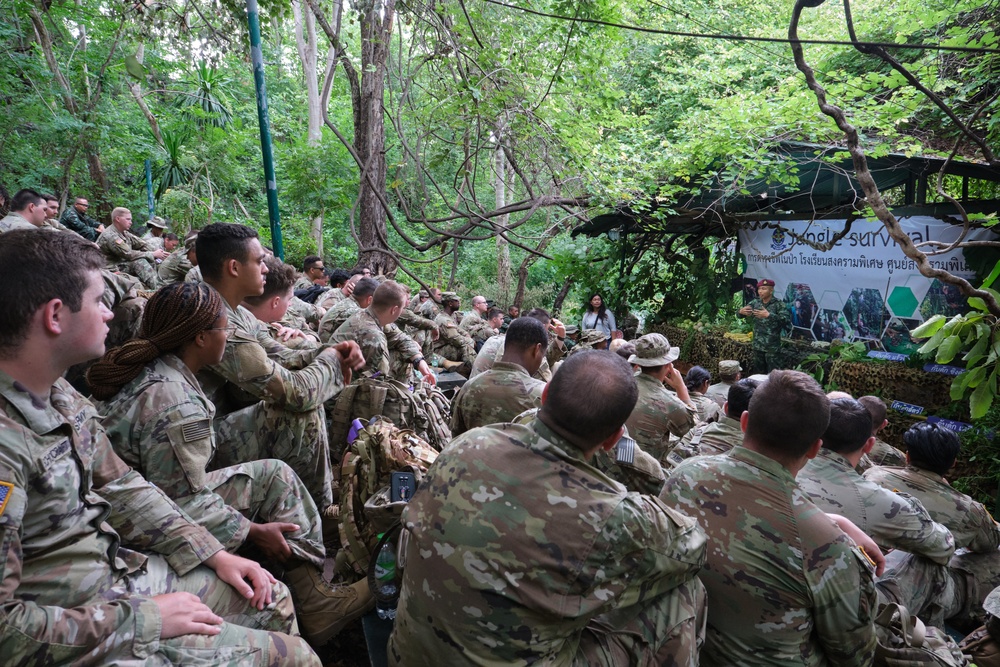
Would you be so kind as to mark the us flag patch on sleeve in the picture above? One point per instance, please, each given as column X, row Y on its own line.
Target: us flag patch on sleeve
column 6, row 491
column 195, row 431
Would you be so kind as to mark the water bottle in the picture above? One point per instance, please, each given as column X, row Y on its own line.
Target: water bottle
column 385, row 577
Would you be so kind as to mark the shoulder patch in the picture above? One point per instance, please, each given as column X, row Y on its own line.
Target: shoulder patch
column 625, row 450
column 120, row 241
column 198, row 430
column 6, row 491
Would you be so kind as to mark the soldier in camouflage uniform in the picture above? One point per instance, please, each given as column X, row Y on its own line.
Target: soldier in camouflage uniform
column 697, row 381
column 76, row 219
column 593, row 575
column 154, row 233
column 729, row 374
column 269, row 397
column 659, row 413
column 717, row 437
column 361, row 298
column 382, row 343
column 882, row 453
column 492, row 350
column 72, row 589
column 452, row 343
column 27, row 211
column 313, row 273
column 787, row 586
column 127, row 252
column 52, row 213
column 507, row 389
column 332, row 297
column 273, row 308
column 160, row 423
column 475, row 322
column 175, row 267
column 770, row 319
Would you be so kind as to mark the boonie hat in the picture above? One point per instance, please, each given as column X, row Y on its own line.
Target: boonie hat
column 729, row 367
column 654, row 350
column 592, row 337
column 158, row 222
column 190, row 243
column 572, row 330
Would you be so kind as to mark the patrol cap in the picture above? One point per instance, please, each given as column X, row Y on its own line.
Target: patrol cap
column 424, row 294
column 572, row 330
column 729, row 367
column 766, row 282
column 158, row 222
column 992, row 602
column 654, row 350
column 592, row 336
column 449, row 296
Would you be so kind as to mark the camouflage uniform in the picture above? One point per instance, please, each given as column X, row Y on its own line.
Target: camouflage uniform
column 286, row 390
column 707, row 440
column 387, row 349
column 337, row 316
column 308, row 341
column 884, row 454
column 127, row 252
column 52, row 223
column 194, row 275
column 707, row 410
column 410, row 322
column 453, row 343
column 658, row 414
column 719, row 392
column 161, row 425
column 498, row 395
column 175, row 267
column 70, row 591
column 969, row 522
column 787, row 586
column 477, row 328
column 766, row 343
column 330, row 298
column 303, row 282
column 15, row 221
column 81, row 223
column 592, row 574
column 893, row 520
column 492, row 352
column 308, row 312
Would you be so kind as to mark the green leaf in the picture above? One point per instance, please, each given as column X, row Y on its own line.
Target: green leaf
column 975, row 377
column 932, row 344
column 979, row 349
column 981, row 400
column 929, row 328
column 135, row 68
column 949, row 348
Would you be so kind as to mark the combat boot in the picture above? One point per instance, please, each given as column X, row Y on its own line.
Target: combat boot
column 449, row 365
column 324, row 609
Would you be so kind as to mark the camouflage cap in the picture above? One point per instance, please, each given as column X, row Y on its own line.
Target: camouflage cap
column 158, row 222
column 572, row 330
column 190, row 243
column 449, row 296
column 654, row 350
column 592, row 337
column 729, row 367
column 992, row 602
column 424, row 294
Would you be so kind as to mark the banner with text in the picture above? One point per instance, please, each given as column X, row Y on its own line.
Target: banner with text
column 864, row 287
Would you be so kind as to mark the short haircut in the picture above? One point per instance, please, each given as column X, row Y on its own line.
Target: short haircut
column 932, row 446
column 310, row 262
column 739, row 397
column 357, row 271
column 591, row 395
column 539, row 314
column 22, row 198
column 219, row 243
column 493, row 312
column 524, row 333
column 118, row 212
column 35, row 267
column 625, row 351
column 876, row 408
column 338, row 277
column 788, row 413
column 279, row 282
column 850, row 426
column 170, row 236
column 696, row 377
column 47, row 197
column 389, row 294
column 366, row 287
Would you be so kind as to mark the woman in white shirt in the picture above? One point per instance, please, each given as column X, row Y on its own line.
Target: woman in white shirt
column 599, row 317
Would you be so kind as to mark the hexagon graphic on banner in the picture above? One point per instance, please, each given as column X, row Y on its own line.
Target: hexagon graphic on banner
column 830, row 323
column 902, row 301
column 802, row 309
column 865, row 312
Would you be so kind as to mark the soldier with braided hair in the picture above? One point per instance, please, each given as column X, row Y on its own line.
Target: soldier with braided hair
column 160, row 422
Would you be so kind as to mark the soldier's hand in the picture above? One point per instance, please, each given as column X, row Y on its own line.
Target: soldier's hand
column 674, row 379
column 350, row 355
column 100, row 229
column 285, row 334
column 185, row 614
column 235, row 571
column 762, row 313
column 745, row 310
column 160, row 254
column 557, row 327
column 270, row 537
column 435, row 333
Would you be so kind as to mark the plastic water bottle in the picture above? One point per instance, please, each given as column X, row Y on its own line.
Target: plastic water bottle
column 385, row 576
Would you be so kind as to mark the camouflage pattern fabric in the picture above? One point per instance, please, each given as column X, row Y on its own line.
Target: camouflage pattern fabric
column 14, row 221
column 706, row 409
column 309, row 340
column 787, row 586
column 969, row 522
column 893, row 520
column 707, row 440
column 453, row 343
column 498, row 395
column 194, row 275
column 336, row 316
column 70, row 590
column 477, row 328
column 410, row 322
column 161, row 425
column 387, row 349
column 81, row 223
column 330, row 298
column 310, row 313
column 127, row 252
column 767, row 331
column 718, row 392
column 884, row 454
column 52, row 223
column 492, row 352
column 303, row 282
column 657, row 415
column 592, row 574
column 175, row 267
column 286, row 420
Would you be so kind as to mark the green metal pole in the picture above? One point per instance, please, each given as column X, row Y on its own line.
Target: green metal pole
column 257, row 58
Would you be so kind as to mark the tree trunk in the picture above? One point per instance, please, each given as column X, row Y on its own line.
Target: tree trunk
column 503, row 248
column 305, row 41
column 135, row 87
column 316, row 232
column 369, row 137
column 561, row 296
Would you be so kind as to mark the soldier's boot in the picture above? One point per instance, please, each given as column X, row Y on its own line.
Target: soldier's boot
column 449, row 365
column 324, row 609
column 330, row 519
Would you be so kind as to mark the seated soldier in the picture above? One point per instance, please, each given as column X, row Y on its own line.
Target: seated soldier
column 269, row 397
column 313, row 273
column 931, row 451
column 721, row 436
column 160, row 423
column 174, row 268
column 521, row 552
column 360, row 298
column 154, row 236
column 52, row 213
column 75, row 219
column 271, row 308
column 493, row 349
column 658, row 414
column 127, row 252
column 507, row 389
column 27, row 211
column 72, row 590
column 452, row 343
column 786, row 585
column 882, row 453
column 374, row 330
column 475, row 323
column 697, row 381
column 729, row 374
column 331, row 297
